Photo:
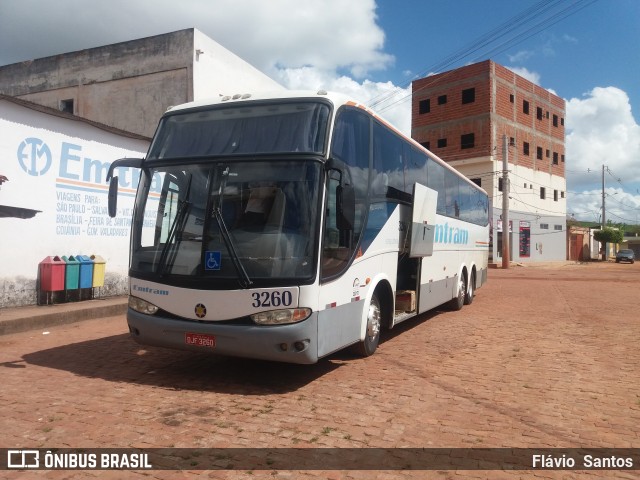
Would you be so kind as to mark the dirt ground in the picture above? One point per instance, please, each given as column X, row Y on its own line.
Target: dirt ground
column 545, row 357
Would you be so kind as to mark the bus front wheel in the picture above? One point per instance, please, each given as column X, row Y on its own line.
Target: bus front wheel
column 368, row 346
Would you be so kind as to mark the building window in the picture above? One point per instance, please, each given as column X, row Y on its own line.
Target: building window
column 562, row 158
column 512, row 142
column 557, row 228
column 442, row 99
column 66, row 105
column 555, row 120
column 539, row 153
column 548, row 153
column 562, row 122
column 442, row 142
column 544, row 226
column 426, row 145
column 555, row 195
column 561, row 194
column 525, row 107
column 555, row 158
column 424, row 106
column 539, row 113
column 469, row 95
column 543, row 193
column 500, row 184
column 467, row 140
column 525, row 148
column 525, row 185
column 477, row 181
column 512, row 98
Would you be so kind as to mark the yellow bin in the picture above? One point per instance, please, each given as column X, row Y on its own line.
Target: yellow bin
column 98, row 270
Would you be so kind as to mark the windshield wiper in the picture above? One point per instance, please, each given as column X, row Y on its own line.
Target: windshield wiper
column 244, row 279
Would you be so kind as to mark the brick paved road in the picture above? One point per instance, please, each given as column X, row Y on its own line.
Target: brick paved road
column 545, row 357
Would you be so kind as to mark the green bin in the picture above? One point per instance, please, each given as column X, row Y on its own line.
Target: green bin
column 72, row 273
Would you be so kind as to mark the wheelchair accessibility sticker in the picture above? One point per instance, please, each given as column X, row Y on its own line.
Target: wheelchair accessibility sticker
column 212, row 260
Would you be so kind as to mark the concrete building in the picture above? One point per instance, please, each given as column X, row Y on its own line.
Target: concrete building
column 65, row 118
column 129, row 85
column 54, row 199
column 463, row 115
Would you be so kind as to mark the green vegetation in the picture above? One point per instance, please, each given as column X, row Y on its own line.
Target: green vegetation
column 608, row 235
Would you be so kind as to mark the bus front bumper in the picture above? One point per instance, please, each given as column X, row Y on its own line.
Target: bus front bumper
column 292, row 343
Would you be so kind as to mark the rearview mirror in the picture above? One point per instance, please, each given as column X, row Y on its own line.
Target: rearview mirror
column 113, row 196
column 113, row 181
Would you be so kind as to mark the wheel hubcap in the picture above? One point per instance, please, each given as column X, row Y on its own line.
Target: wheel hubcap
column 462, row 289
column 373, row 321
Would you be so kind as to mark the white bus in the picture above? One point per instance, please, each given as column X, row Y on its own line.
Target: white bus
column 288, row 227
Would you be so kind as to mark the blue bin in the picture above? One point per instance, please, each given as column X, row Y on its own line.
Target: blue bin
column 86, row 271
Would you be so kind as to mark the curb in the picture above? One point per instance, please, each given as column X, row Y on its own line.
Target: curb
column 32, row 318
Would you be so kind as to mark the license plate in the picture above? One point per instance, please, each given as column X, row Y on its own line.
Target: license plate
column 200, row 340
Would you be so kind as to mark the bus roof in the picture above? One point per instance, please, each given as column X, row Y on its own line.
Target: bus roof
column 336, row 98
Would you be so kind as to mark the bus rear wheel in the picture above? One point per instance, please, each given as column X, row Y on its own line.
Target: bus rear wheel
column 368, row 346
column 471, row 290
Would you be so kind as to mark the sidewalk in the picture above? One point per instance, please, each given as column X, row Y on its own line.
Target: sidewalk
column 21, row 319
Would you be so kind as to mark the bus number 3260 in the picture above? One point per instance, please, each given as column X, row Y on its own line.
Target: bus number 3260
column 271, row 299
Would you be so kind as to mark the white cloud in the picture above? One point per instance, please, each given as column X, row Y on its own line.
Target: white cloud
column 524, row 73
column 521, row 56
column 601, row 131
column 390, row 101
column 620, row 206
column 274, row 34
column 330, row 44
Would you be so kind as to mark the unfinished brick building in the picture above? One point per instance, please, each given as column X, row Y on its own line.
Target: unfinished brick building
column 466, row 115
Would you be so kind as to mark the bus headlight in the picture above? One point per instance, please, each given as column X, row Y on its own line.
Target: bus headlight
column 281, row 317
column 142, row 306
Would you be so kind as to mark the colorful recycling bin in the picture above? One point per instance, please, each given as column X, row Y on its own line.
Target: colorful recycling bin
column 52, row 272
column 98, row 270
column 72, row 273
column 86, row 271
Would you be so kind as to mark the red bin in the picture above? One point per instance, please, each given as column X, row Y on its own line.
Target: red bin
column 52, row 270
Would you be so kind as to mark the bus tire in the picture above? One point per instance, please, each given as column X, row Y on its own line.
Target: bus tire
column 471, row 290
column 368, row 346
column 457, row 302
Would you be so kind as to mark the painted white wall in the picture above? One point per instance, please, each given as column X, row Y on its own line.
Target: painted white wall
column 217, row 71
column 58, row 165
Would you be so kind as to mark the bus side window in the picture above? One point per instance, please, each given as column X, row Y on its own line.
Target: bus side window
column 351, row 146
column 436, row 182
column 388, row 165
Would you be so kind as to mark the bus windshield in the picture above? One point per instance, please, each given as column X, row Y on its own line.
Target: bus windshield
column 230, row 223
column 283, row 127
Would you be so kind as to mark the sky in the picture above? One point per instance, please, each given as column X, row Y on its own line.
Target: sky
column 585, row 51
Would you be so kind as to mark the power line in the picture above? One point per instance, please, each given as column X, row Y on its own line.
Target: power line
column 537, row 11
column 501, row 30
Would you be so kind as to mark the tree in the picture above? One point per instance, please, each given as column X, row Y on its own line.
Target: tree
column 608, row 235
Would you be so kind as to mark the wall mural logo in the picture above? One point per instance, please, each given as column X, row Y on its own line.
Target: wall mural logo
column 34, row 156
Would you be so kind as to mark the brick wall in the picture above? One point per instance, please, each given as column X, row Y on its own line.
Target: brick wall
column 498, row 108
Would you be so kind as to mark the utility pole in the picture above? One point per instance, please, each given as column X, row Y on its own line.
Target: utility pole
column 505, row 202
column 604, row 222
